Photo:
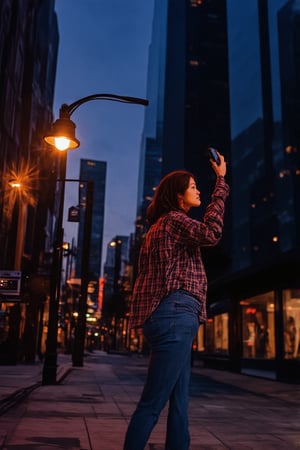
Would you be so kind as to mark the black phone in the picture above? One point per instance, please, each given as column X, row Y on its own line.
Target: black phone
column 214, row 155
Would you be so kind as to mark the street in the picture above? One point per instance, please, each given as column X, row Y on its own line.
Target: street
column 90, row 409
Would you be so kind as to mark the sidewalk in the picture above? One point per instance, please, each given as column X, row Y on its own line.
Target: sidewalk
column 90, row 408
column 16, row 382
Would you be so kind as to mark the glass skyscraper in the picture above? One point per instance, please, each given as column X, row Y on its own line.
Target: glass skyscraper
column 225, row 73
column 188, row 97
column 94, row 171
column 264, row 68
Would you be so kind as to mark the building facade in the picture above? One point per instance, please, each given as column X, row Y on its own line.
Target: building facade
column 116, row 295
column 263, row 42
column 224, row 73
column 189, row 101
column 28, row 56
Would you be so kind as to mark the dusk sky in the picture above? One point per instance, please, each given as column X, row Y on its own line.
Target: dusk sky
column 104, row 49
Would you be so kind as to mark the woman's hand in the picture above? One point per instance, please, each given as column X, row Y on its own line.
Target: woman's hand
column 219, row 169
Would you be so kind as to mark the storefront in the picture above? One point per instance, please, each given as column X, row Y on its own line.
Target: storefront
column 257, row 335
column 10, row 325
column 11, row 317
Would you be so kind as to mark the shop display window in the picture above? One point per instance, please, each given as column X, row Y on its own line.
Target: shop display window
column 198, row 344
column 291, row 323
column 217, row 334
column 258, row 326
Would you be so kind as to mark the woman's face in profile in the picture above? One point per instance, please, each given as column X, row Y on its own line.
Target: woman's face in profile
column 190, row 198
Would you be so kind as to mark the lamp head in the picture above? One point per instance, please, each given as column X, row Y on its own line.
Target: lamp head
column 62, row 133
column 15, row 184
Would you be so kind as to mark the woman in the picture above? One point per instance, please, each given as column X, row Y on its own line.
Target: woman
column 169, row 300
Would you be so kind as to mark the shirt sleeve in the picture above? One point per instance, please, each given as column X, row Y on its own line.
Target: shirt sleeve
column 209, row 231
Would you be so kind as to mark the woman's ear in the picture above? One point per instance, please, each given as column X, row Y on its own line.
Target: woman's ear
column 180, row 200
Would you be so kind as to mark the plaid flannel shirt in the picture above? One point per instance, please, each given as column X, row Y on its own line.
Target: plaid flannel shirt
column 170, row 257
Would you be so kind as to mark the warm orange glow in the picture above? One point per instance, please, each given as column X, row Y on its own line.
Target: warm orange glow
column 62, row 143
column 101, row 284
column 15, row 184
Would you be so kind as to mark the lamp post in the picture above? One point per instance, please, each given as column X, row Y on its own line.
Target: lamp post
column 50, row 362
column 62, row 136
column 77, row 354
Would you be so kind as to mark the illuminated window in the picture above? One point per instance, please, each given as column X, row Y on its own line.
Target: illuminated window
column 197, row 62
column 291, row 323
column 258, row 326
column 284, row 173
column 291, row 149
column 217, row 334
column 199, row 340
column 195, row 3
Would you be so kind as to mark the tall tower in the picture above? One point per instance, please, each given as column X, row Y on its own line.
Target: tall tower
column 94, row 171
column 189, row 101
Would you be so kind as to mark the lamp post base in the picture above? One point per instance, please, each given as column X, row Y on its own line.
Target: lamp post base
column 49, row 370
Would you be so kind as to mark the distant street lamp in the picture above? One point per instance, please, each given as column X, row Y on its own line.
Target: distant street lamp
column 62, row 137
column 21, row 190
column 21, row 228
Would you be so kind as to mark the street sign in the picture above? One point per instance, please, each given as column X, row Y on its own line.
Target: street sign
column 74, row 214
column 10, row 282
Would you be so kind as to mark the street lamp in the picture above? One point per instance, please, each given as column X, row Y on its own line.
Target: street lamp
column 20, row 189
column 15, row 184
column 62, row 137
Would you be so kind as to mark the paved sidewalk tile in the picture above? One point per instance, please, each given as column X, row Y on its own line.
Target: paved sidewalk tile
column 91, row 407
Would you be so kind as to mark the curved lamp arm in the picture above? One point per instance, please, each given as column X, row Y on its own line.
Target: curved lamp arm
column 117, row 98
column 62, row 134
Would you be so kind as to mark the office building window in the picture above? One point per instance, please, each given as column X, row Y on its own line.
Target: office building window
column 195, row 3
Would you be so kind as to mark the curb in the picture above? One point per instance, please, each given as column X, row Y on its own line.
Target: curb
column 20, row 394
column 16, row 397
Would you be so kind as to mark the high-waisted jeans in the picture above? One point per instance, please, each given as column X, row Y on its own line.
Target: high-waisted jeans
column 169, row 331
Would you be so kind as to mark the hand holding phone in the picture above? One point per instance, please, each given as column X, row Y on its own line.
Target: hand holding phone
column 214, row 155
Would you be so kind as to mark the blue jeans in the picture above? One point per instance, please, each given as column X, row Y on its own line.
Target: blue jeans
column 169, row 331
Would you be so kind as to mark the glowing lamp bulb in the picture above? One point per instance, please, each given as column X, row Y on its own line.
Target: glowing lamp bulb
column 62, row 143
